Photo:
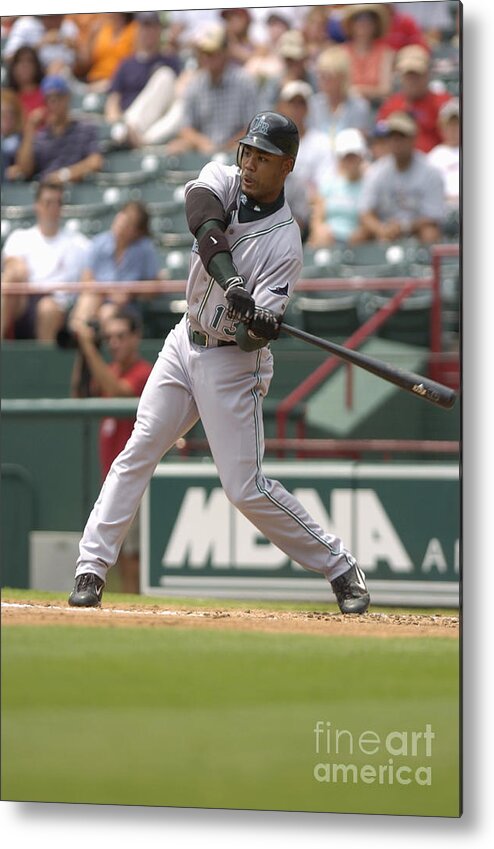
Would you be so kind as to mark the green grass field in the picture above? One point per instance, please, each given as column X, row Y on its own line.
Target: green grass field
column 207, row 718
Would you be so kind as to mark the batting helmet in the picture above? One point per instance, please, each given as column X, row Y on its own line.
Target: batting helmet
column 273, row 133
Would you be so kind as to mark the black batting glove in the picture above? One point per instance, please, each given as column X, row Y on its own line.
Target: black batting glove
column 241, row 305
column 265, row 324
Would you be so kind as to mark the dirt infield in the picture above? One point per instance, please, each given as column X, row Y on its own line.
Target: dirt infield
column 276, row 621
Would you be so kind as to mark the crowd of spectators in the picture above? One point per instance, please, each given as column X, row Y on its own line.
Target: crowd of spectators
column 380, row 133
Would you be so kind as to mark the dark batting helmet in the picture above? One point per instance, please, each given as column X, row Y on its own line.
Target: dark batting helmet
column 273, row 133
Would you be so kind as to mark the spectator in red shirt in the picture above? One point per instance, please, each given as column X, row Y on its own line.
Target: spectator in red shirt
column 25, row 74
column 415, row 97
column 371, row 59
column 124, row 376
column 403, row 29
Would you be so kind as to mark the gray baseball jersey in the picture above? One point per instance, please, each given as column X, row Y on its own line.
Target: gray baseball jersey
column 267, row 253
column 224, row 386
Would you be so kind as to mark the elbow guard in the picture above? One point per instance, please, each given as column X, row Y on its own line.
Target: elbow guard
column 202, row 206
column 206, row 218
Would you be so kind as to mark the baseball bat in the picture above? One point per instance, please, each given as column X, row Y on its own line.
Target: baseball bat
column 434, row 392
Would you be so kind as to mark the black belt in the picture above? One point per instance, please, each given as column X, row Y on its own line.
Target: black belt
column 204, row 340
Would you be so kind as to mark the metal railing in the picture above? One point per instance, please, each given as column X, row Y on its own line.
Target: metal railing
column 405, row 285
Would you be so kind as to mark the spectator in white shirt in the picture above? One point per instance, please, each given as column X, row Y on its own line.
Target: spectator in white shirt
column 446, row 156
column 44, row 253
column 315, row 153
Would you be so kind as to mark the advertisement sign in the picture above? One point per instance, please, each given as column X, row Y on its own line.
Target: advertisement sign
column 401, row 521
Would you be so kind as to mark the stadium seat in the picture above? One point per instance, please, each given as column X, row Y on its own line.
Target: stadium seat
column 322, row 262
column 128, row 167
column 335, row 314
column 374, row 259
column 179, row 168
column 451, row 227
column 88, row 103
column 160, row 314
column 174, row 262
column 18, row 199
column 85, row 199
column 409, row 324
column 161, row 198
column 91, row 225
column 171, row 230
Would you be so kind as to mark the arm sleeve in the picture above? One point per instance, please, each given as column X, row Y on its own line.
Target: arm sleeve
column 202, row 205
column 206, row 202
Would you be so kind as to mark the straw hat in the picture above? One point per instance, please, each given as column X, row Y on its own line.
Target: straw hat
column 211, row 38
column 413, row 57
column 292, row 45
column 401, row 122
column 334, row 60
column 375, row 9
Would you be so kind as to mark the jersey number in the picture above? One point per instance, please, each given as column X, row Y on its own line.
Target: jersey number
column 218, row 315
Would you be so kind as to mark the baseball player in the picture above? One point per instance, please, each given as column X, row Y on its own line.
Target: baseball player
column 216, row 365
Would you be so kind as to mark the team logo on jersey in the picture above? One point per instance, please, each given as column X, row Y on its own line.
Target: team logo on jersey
column 279, row 290
column 259, row 126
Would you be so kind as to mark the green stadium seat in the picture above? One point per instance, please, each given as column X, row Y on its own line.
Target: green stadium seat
column 334, row 314
column 175, row 262
column 179, row 168
column 88, row 103
column 171, row 230
column 409, row 324
column 160, row 197
column 128, row 167
column 161, row 314
column 374, row 259
column 91, row 225
column 322, row 262
column 18, row 199
column 87, row 198
column 452, row 224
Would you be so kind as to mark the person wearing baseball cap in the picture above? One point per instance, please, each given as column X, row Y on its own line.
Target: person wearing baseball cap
column 315, row 151
column 63, row 150
column 377, row 141
column 335, row 218
column 415, row 96
column 218, row 100
column 446, row 156
column 402, row 194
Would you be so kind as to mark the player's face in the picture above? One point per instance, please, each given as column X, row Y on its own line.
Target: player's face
column 263, row 174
